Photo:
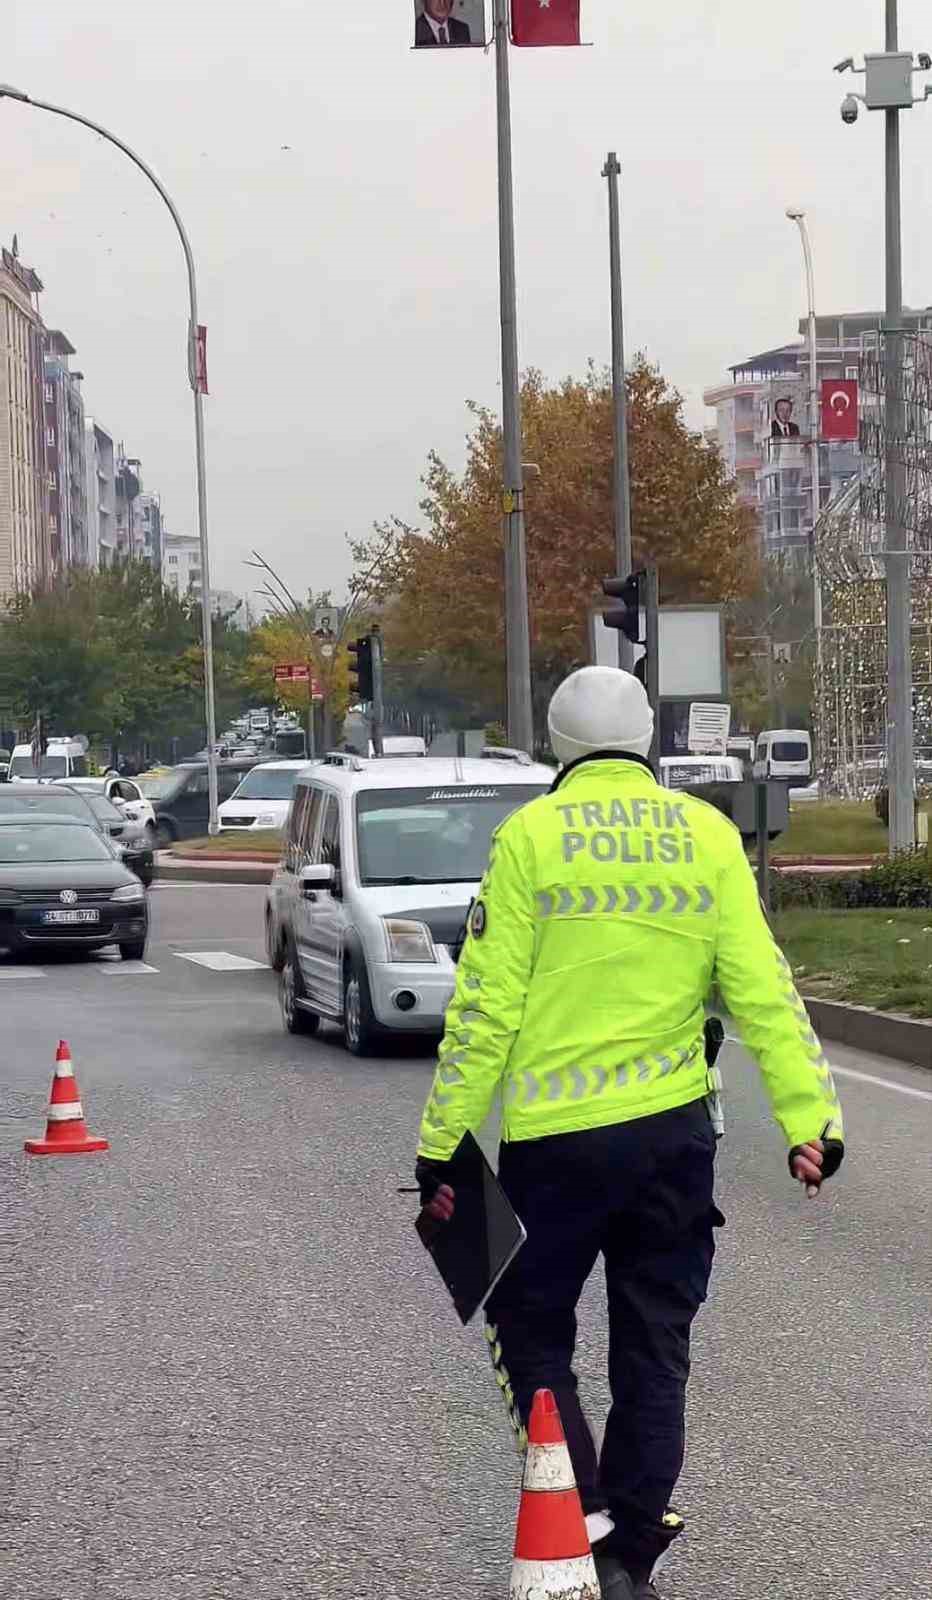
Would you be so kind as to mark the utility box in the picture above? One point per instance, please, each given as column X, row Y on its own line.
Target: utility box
column 888, row 81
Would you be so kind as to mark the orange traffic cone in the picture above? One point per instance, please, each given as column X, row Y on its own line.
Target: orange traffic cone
column 66, row 1131
column 553, row 1560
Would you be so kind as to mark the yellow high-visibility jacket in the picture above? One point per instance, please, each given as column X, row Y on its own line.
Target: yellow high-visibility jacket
column 610, row 908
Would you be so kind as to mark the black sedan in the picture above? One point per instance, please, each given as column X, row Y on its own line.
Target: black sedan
column 61, row 800
column 63, row 885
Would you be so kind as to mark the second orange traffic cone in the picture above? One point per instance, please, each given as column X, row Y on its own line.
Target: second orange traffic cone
column 65, row 1130
column 553, row 1560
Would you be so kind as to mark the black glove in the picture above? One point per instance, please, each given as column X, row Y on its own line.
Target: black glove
column 430, row 1175
column 833, row 1154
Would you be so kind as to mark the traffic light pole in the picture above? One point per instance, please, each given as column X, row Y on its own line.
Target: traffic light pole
column 652, row 647
column 622, row 483
column 378, row 709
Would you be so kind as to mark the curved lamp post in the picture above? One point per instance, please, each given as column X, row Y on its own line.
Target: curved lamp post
column 194, row 378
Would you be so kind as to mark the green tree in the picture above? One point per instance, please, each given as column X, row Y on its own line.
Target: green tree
column 441, row 587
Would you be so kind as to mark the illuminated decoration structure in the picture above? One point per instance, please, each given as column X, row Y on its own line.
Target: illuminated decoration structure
column 851, row 694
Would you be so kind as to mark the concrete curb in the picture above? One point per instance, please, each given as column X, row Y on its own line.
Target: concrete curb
column 881, row 1033
column 221, row 872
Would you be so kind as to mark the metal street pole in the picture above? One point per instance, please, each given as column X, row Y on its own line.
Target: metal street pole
column 652, row 647
column 6, row 92
column 622, row 480
column 900, row 759
column 815, row 422
column 517, row 632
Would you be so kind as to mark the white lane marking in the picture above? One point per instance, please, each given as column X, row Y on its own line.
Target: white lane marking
column 221, row 961
column 22, row 972
column 126, row 969
column 882, row 1083
column 862, row 1077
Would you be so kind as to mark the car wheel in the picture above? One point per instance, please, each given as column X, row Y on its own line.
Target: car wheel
column 291, row 990
column 164, row 834
column 359, row 1025
column 275, row 948
column 134, row 951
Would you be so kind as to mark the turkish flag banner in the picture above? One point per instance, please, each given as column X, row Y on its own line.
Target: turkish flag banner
column 540, row 22
column 839, row 409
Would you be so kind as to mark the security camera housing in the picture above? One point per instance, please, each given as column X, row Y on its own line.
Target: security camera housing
column 849, row 109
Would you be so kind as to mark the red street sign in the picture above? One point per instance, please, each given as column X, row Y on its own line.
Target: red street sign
column 839, row 409
column 292, row 672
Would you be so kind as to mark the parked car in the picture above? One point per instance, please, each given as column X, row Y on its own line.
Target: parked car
column 366, row 913
column 263, row 798
column 63, row 885
column 179, row 797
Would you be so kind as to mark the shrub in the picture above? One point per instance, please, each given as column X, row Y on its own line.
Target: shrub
column 905, row 880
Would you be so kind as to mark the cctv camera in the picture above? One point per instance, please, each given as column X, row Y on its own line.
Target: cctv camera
column 925, row 61
column 846, row 65
column 849, row 109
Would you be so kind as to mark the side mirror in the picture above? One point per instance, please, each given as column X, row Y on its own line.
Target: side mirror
column 313, row 879
column 116, row 828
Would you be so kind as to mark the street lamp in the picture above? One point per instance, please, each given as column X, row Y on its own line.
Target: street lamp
column 195, row 378
column 799, row 217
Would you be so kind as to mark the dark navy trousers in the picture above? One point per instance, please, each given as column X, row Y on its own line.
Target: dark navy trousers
column 640, row 1194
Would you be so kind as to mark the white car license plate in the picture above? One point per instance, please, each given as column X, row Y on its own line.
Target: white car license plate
column 71, row 917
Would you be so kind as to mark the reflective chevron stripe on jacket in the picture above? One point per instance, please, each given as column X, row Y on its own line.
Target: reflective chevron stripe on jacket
column 609, row 910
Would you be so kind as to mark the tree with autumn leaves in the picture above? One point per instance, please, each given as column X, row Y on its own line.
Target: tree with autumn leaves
column 440, row 588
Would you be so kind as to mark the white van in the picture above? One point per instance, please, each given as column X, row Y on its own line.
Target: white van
column 263, row 799
column 680, row 772
column 367, row 911
column 784, row 753
column 63, row 759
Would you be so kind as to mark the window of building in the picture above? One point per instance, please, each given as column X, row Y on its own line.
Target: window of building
column 173, row 561
column 53, row 480
column 852, row 372
column 50, row 435
column 49, row 394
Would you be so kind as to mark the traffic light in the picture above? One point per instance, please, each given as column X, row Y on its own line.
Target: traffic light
column 361, row 681
column 626, row 618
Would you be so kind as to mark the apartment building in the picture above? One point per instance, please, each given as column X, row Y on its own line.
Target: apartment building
column 25, row 549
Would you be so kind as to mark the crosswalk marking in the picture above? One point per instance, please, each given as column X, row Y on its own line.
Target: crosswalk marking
column 126, row 969
column 221, row 961
column 22, row 972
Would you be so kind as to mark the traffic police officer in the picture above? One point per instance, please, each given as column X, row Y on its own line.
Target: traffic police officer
column 610, row 908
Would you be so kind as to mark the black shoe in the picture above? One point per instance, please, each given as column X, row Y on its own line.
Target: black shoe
column 613, row 1579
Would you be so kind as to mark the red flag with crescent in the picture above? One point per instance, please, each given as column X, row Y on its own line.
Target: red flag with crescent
column 839, row 408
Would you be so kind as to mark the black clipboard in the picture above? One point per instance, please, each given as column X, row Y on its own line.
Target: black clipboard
column 479, row 1243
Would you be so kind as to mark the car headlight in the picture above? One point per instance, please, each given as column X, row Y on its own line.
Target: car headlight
column 408, row 941
column 129, row 891
column 266, row 819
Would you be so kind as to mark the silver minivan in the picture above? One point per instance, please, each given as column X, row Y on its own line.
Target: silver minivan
column 366, row 911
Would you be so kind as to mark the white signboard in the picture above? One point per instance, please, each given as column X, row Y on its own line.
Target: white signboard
column 709, row 727
column 692, row 653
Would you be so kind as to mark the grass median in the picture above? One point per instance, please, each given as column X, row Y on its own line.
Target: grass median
column 877, row 958
column 233, row 841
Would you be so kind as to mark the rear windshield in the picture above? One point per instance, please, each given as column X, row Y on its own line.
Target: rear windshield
column 49, row 803
column 49, row 767
column 433, row 835
column 20, row 845
column 790, row 750
column 267, row 783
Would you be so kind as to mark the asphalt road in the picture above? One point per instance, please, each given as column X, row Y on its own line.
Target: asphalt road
column 225, row 1368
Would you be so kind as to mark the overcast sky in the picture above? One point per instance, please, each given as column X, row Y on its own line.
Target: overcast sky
column 349, row 282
